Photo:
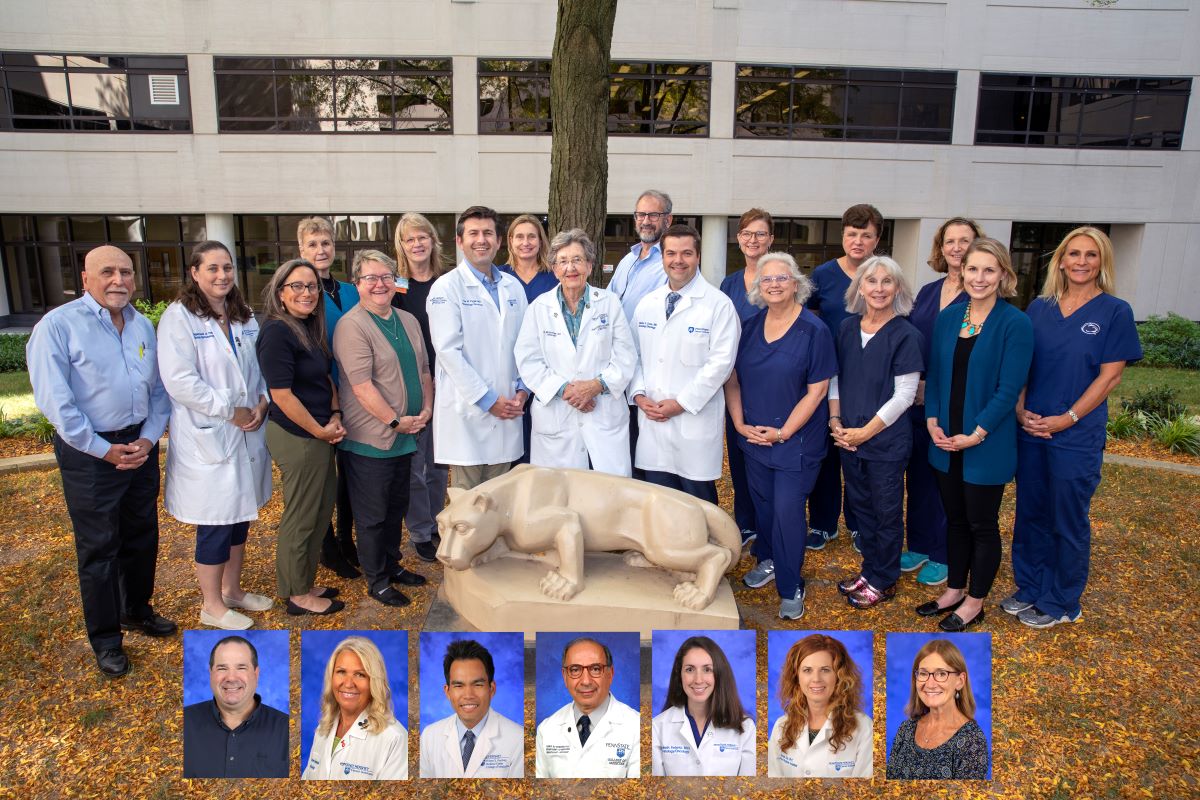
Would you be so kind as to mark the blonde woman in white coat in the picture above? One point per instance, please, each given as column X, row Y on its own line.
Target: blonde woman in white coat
column 576, row 352
column 218, row 469
column 824, row 733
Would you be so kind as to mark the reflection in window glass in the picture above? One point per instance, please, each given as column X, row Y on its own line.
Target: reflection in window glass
column 514, row 96
column 1033, row 244
column 810, row 241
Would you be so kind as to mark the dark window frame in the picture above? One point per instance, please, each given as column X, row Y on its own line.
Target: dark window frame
column 1031, row 261
column 829, row 246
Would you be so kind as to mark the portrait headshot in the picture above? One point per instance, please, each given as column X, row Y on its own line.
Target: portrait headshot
column 939, row 706
column 354, row 705
column 472, row 705
column 235, row 704
column 588, row 705
column 702, row 695
column 819, row 704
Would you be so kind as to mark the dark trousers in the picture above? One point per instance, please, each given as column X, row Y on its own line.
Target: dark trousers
column 779, row 497
column 633, row 437
column 743, row 505
column 826, row 502
column 115, row 516
column 426, row 490
column 339, row 542
column 526, row 430
column 379, row 487
column 704, row 490
column 926, row 523
column 875, row 490
column 972, row 530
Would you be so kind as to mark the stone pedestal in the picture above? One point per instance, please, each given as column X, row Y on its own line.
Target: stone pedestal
column 503, row 595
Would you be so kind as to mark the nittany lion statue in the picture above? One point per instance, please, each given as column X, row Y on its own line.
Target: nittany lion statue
column 569, row 512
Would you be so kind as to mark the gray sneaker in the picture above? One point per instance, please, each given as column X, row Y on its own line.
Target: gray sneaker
column 792, row 608
column 1034, row 618
column 762, row 574
column 1011, row 605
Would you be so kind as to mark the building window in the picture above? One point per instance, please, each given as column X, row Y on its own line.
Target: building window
column 811, row 242
column 322, row 95
column 879, row 105
column 1081, row 111
column 645, row 98
column 1031, row 246
column 43, row 254
column 94, row 93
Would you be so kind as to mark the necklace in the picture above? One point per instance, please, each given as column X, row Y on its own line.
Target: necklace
column 390, row 326
column 1070, row 308
column 972, row 328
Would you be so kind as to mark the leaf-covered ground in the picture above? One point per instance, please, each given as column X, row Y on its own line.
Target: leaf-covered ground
column 1105, row 708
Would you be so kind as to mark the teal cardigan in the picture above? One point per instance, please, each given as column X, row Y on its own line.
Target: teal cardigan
column 996, row 374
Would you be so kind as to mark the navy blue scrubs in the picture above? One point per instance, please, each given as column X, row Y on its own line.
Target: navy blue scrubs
column 774, row 377
column 542, row 282
column 875, row 470
column 1057, row 477
column 926, row 519
column 826, row 502
column 734, row 287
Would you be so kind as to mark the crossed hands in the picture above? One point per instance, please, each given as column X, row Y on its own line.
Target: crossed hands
column 129, row 456
column 1042, row 427
column 760, row 434
column 660, row 411
column 509, row 407
column 581, row 395
column 950, row 444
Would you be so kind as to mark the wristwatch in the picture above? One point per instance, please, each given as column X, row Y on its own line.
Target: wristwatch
column 1074, row 417
column 395, row 423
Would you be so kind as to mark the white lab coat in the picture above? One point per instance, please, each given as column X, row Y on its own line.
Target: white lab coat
column 360, row 756
column 854, row 760
column 499, row 750
column 688, row 358
column 546, row 358
column 217, row 474
column 474, row 343
column 722, row 751
column 613, row 749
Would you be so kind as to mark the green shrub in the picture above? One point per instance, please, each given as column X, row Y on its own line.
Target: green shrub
column 1154, row 401
column 1170, row 341
column 152, row 311
column 1125, row 425
column 1179, row 435
column 40, row 427
column 12, row 352
column 8, row 427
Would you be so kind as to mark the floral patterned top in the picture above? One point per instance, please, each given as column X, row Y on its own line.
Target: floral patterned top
column 963, row 756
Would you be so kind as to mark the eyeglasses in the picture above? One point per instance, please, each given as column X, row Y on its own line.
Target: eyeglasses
column 756, row 235
column 653, row 216
column 301, row 288
column 419, row 239
column 939, row 675
column 575, row 261
column 576, row 670
column 371, row 280
column 775, row 279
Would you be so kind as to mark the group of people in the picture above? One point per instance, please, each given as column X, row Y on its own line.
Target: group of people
column 363, row 393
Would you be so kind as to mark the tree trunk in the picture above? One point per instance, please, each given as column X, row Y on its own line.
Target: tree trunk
column 579, row 88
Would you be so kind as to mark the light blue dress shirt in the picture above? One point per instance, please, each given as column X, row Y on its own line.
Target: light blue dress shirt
column 87, row 377
column 636, row 277
column 491, row 282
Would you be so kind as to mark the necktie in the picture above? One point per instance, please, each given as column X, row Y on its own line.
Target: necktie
column 585, row 729
column 468, row 747
column 672, row 299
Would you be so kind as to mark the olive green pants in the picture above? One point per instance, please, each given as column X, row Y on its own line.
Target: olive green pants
column 469, row 477
column 309, row 491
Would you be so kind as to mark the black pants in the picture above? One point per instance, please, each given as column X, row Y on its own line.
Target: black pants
column 340, row 543
column 704, row 490
column 633, row 437
column 115, row 516
column 972, row 530
column 379, row 488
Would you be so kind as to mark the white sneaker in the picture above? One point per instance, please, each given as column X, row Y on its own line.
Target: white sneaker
column 231, row 621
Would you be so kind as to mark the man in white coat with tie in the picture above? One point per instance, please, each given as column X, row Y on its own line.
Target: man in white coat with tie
column 595, row 735
column 476, row 741
column 475, row 313
column 687, row 336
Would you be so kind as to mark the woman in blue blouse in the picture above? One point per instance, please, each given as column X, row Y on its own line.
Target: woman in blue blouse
column 926, row 523
column 754, row 239
column 1083, row 337
column 979, row 360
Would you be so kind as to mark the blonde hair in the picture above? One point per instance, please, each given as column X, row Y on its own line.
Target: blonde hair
column 379, row 709
column 1008, row 276
column 415, row 221
column 953, row 657
column 1056, row 278
column 938, row 261
column 543, row 255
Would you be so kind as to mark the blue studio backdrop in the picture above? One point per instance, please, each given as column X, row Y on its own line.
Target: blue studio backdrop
column 857, row 643
column 274, row 684
column 739, row 648
column 977, row 652
column 315, row 649
column 508, row 655
column 552, row 693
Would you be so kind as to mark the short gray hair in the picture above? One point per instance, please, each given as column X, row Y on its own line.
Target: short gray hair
column 804, row 286
column 577, row 236
column 902, row 303
column 663, row 198
column 363, row 256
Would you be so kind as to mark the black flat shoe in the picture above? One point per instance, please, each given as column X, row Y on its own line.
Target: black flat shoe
column 298, row 611
column 329, row 593
column 954, row 623
column 390, row 597
column 153, row 625
column 406, row 577
column 932, row 609
column 426, row 551
column 113, row 663
column 340, row 566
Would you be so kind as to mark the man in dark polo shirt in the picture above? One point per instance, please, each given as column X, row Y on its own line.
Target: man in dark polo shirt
column 234, row 735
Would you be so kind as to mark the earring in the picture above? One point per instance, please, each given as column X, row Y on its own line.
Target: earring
column 956, row 694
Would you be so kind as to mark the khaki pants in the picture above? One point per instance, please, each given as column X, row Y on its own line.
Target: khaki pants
column 469, row 477
column 309, row 491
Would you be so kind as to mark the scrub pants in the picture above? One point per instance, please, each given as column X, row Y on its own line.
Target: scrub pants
column 826, row 502
column 972, row 530
column 779, row 497
column 1052, row 536
column 926, row 528
column 743, row 506
column 703, row 490
column 309, row 490
column 875, row 491
column 426, row 490
column 379, row 487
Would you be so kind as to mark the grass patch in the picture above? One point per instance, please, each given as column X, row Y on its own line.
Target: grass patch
column 1185, row 382
column 16, row 395
column 95, row 717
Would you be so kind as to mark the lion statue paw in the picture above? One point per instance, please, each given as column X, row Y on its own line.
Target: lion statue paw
column 556, row 586
column 689, row 595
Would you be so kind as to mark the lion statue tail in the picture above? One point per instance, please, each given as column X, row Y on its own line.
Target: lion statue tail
column 723, row 531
